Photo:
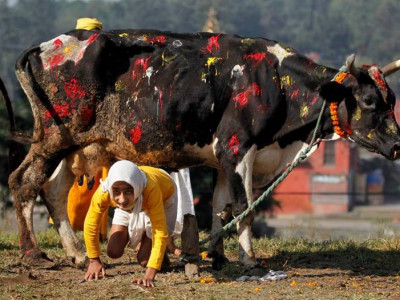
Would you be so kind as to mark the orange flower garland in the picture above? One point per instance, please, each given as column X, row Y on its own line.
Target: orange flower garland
column 333, row 108
column 335, row 120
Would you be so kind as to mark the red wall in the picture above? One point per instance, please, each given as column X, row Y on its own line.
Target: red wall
column 294, row 193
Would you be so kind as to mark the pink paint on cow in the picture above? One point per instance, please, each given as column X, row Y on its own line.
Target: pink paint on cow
column 136, row 133
column 213, row 44
column 242, row 99
column 234, row 144
column 57, row 43
column 256, row 58
column 55, row 60
column 73, row 89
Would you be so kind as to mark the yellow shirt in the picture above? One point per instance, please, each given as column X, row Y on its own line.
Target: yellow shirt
column 159, row 188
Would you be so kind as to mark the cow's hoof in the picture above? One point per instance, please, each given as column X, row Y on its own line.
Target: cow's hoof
column 37, row 258
column 219, row 262
column 79, row 262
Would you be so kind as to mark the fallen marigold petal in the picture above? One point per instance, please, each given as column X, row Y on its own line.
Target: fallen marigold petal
column 207, row 280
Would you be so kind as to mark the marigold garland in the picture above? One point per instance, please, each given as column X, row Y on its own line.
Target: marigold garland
column 335, row 120
column 333, row 107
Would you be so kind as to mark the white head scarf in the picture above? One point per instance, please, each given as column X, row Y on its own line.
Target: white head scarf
column 127, row 171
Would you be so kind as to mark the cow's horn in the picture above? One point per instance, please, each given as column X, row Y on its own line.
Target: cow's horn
column 391, row 68
column 351, row 68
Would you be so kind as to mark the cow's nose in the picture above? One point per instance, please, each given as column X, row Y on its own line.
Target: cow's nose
column 396, row 150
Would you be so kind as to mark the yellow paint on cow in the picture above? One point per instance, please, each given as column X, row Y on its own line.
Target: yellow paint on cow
column 167, row 59
column 247, row 42
column 213, row 61
column 286, row 81
column 119, row 86
column 371, row 134
column 357, row 114
column 391, row 129
column 123, row 34
column 69, row 48
column 304, row 110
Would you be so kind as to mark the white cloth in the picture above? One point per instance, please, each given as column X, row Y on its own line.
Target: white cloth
column 127, row 171
column 185, row 197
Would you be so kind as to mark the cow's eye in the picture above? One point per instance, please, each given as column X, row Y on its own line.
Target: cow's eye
column 369, row 102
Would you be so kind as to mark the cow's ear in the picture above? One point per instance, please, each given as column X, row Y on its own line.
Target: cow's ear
column 332, row 91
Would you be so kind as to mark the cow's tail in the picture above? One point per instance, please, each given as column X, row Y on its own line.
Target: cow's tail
column 25, row 78
column 16, row 150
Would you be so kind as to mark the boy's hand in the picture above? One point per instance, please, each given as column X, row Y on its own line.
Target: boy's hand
column 95, row 269
column 148, row 279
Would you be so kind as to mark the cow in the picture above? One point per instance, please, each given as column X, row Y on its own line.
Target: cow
column 245, row 106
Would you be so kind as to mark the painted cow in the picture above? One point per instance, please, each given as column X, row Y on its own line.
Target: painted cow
column 244, row 106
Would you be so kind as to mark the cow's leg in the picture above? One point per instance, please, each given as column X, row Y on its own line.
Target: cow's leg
column 221, row 200
column 245, row 170
column 55, row 197
column 25, row 183
column 238, row 169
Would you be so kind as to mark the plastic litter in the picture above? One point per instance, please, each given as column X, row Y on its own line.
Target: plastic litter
column 274, row 276
column 270, row 276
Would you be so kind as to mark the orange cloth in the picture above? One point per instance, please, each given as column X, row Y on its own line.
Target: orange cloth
column 79, row 198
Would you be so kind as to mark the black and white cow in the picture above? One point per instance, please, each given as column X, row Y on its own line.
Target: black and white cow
column 244, row 106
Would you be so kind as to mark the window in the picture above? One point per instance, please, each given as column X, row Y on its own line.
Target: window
column 329, row 153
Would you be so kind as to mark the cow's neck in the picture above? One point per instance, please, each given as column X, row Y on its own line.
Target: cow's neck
column 303, row 110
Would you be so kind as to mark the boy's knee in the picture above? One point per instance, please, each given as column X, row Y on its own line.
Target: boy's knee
column 143, row 263
column 114, row 253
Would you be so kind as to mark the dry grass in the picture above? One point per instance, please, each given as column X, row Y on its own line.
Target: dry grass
column 317, row 270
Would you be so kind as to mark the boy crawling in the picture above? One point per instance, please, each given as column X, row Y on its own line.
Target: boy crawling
column 145, row 215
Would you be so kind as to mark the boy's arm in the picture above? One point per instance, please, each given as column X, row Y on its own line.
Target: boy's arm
column 159, row 229
column 98, row 206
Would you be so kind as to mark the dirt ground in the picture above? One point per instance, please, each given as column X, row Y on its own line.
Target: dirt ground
column 327, row 274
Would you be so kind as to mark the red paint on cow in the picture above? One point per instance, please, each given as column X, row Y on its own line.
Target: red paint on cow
column 73, row 89
column 55, row 60
column 234, row 144
column 213, row 44
column 314, row 100
column 92, row 38
column 136, row 133
column 294, row 94
column 242, row 99
column 160, row 40
column 379, row 80
column 57, row 44
column 139, row 66
column 61, row 110
column 256, row 58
